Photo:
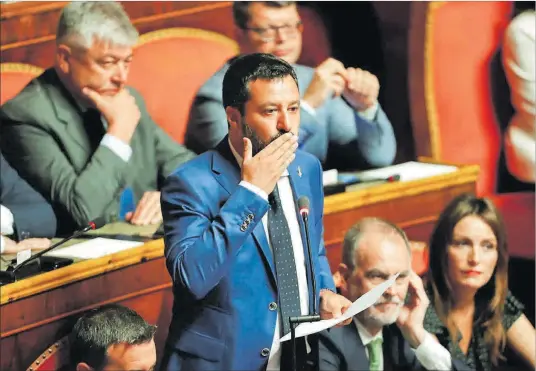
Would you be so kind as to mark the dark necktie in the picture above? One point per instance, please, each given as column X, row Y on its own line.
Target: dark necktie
column 94, row 127
column 285, row 264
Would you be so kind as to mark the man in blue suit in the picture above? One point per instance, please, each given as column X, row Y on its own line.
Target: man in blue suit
column 342, row 123
column 25, row 214
column 234, row 244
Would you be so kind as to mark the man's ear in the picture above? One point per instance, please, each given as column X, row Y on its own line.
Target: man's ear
column 340, row 277
column 82, row 366
column 63, row 58
column 233, row 117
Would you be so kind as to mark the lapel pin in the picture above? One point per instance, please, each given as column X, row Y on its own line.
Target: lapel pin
column 299, row 172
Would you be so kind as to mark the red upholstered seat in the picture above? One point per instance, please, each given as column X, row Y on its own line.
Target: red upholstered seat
column 517, row 210
column 14, row 77
column 54, row 358
column 170, row 65
column 452, row 45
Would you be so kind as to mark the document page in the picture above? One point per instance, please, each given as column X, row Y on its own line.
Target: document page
column 357, row 306
column 94, row 248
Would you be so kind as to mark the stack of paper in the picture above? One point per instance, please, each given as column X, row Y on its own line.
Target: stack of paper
column 94, row 248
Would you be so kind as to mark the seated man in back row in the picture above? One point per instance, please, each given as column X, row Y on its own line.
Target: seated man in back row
column 79, row 136
column 342, row 123
column 25, row 216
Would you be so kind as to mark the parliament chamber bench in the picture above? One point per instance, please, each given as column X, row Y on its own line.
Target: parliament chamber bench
column 37, row 311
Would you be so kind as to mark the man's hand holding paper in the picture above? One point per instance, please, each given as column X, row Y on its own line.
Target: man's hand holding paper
column 357, row 306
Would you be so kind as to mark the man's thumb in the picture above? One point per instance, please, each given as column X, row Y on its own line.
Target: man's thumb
column 247, row 149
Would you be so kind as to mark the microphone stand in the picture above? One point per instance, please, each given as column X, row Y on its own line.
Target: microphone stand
column 10, row 275
column 294, row 321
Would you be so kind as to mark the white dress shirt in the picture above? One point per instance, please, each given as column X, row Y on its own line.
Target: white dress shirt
column 6, row 225
column 431, row 354
column 289, row 209
column 520, row 69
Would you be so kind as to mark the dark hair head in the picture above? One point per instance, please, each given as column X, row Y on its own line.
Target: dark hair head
column 358, row 230
column 250, row 67
column 522, row 6
column 103, row 327
column 241, row 10
column 492, row 296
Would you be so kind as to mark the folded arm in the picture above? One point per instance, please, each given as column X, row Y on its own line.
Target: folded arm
column 201, row 244
column 85, row 195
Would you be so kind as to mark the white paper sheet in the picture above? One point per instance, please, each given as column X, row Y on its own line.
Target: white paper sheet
column 411, row 170
column 94, row 248
column 357, row 306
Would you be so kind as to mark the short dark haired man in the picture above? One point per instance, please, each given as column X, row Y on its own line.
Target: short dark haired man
column 234, row 244
column 112, row 337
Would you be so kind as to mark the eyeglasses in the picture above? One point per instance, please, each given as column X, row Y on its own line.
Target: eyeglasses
column 269, row 34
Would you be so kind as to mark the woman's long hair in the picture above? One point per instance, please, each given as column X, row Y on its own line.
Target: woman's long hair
column 489, row 300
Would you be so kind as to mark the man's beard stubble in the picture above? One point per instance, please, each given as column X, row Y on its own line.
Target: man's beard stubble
column 256, row 143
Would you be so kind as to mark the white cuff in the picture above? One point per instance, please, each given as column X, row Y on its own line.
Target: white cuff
column 2, row 244
column 370, row 113
column 117, row 146
column 259, row 192
column 432, row 355
column 307, row 107
column 6, row 221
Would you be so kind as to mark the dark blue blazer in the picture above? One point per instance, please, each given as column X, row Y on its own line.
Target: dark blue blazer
column 341, row 349
column 33, row 216
column 221, row 265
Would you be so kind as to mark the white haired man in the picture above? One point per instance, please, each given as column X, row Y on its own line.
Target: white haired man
column 80, row 136
column 390, row 334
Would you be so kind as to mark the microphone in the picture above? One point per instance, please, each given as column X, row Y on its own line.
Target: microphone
column 11, row 274
column 303, row 207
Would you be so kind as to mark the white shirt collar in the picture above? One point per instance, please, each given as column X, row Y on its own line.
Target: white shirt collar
column 239, row 158
column 365, row 336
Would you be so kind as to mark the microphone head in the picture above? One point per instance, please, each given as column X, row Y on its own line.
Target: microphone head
column 303, row 205
column 97, row 223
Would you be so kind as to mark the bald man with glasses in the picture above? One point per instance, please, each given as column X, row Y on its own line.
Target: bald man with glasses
column 342, row 123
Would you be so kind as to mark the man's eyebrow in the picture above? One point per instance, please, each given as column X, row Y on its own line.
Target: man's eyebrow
column 376, row 272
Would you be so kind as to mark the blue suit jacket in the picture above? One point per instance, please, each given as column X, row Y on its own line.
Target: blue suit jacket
column 32, row 215
column 336, row 135
column 223, row 275
column 341, row 349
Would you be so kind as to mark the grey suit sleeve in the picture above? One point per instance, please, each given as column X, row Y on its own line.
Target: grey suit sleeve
column 373, row 141
column 32, row 214
column 33, row 151
column 207, row 124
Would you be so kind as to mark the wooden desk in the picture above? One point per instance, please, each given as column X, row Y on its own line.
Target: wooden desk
column 36, row 311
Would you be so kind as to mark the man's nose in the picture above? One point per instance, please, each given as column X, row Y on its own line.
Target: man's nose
column 121, row 73
column 283, row 123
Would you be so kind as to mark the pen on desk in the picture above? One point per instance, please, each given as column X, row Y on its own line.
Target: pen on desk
column 351, row 180
column 389, row 179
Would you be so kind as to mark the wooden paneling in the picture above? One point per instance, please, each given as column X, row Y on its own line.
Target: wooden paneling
column 27, row 29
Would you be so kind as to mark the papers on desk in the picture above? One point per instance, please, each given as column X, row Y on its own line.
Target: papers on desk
column 411, row 170
column 94, row 248
column 357, row 306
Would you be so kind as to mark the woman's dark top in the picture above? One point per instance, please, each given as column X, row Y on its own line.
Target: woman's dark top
column 478, row 355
